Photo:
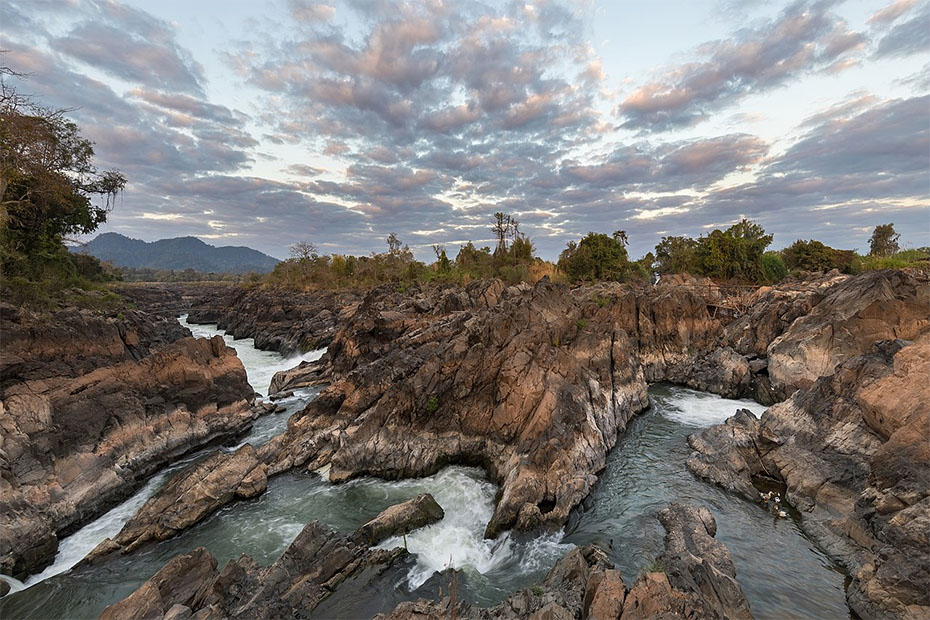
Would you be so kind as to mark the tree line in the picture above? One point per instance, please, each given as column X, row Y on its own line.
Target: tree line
column 738, row 254
column 50, row 191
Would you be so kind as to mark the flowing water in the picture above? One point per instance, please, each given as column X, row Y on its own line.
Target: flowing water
column 781, row 572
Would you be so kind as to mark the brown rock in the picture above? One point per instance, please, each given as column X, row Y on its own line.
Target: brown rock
column 853, row 451
column 400, row 519
column 192, row 495
column 608, row 597
column 91, row 405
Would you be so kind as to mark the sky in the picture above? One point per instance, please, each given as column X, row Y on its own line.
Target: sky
column 269, row 122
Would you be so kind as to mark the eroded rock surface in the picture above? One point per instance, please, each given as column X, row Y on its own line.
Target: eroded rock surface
column 853, row 450
column 90, row 406
column 283, row 321
column 698, row 582
column 317, row 564
column 536, row 383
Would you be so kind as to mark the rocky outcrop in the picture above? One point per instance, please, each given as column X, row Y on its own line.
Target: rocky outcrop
column 698, row 582
column 305, row 374
column 91, row 405
column 317, row 565
column 189, row 497
column 278, row 320
column 699, row 565
column 532, row 383
column 400, row 519
column 533, row 388
column 853, row 451
column 882, row 305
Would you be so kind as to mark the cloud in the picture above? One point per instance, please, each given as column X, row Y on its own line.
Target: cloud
column 906, row 38
column 803, row 39
column 423, row 118
column 892, row 12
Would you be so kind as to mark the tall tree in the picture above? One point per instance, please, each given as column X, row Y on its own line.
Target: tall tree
column 48, row 181
column 884, row 241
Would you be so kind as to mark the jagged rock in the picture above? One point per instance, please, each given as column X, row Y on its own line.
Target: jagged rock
column 305, row 374
column 91, row 405
column 698, row 564
column 535, row 389
column 728, row 454
column 185, row 581
column 190, row 496
column 534, row 384
column 853, row 314
column 317, row 564
column 400, row 519
column 284, row 321
column 700, row 583
column 723, row 372
column 852, row 450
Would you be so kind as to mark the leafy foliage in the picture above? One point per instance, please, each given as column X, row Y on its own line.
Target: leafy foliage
column 48, row 183
column 884, row 241
column 596, row 257
column 676, row 255
column 815, row 256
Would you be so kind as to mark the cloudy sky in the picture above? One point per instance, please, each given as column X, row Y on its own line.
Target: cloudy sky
column 267, row 122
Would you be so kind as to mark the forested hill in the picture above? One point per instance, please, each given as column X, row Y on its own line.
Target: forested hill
column 177, row 254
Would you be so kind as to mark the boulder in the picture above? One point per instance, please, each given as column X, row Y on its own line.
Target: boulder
column 852, row 451
column 400, row 519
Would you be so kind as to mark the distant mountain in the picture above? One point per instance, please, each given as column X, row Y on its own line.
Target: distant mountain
column 177, row 254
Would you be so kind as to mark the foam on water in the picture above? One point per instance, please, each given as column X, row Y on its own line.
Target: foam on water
column 72, row 549
column 458, row 539
column 704, row 409
column 260, row 366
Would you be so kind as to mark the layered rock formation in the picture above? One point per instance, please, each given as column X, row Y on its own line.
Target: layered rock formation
column 698, row 581
column 90, row 406
column 853, row 451
column 535, row 383
column 317, row 563
column 283, row 321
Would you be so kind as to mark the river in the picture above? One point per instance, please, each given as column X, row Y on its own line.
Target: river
column 779, row 569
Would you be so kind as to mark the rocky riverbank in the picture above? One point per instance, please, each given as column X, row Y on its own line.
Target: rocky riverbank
column 326, row 574
column 283, row 321
column 536, row 383
column 853, row 451
column 92, row 405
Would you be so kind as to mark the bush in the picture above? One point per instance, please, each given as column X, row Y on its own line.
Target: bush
column 596, row 257
column 773, row 267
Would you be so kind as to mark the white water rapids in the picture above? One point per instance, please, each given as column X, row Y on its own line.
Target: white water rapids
column 463, row 492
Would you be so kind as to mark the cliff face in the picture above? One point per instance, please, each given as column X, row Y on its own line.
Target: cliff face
column 853, row 451
column 90, row 406
column 536, row 383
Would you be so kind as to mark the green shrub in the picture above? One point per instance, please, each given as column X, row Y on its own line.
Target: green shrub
column 432, row 404
column 773, row 268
